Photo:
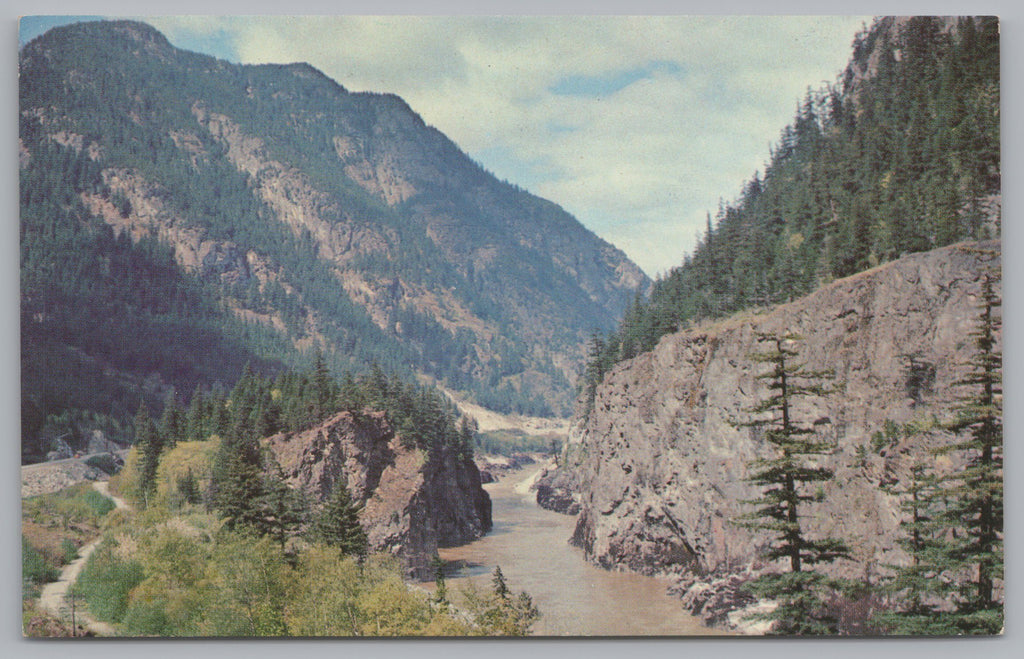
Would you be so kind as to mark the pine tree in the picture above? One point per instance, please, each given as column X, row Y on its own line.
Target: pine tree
column 498, row 582
column 440, row 589
column 338, row 522
column 956, row 546
column 237, row 479
column 283, row 509
column 978, row 491
column 172, row 422
column 799, row 593
column 149, row 445
column 918, row 586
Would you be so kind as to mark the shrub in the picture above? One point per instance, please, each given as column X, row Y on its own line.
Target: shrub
column 69, row 550
column 34, row 568
column 105, row 463
column 106, row 581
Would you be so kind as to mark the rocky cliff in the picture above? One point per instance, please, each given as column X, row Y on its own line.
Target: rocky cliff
column 662, row 461
column 412, row 504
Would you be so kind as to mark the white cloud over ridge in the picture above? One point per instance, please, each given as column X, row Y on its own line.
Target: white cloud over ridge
column 636, row 125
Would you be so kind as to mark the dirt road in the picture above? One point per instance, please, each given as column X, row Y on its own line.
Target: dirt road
column 54, row 597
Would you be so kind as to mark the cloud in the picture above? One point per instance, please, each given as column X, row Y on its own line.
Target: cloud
column 637, row 125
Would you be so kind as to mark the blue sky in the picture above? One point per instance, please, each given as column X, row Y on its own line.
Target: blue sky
column 638, row 125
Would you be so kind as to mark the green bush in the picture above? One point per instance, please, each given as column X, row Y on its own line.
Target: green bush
column 147, row 619
column 78, row 503
column 105, row 463
column 99, row 504
column 68, row 550
column 106, row 581
column 34, row 568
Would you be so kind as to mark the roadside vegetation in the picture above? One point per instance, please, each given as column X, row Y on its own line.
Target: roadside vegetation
column 217, row 545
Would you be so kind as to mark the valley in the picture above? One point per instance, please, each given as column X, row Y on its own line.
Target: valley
column 322, row 374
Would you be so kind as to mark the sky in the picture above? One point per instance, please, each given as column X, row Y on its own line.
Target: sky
column 637, row 125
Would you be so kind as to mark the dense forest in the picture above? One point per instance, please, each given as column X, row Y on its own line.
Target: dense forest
column 900, row 155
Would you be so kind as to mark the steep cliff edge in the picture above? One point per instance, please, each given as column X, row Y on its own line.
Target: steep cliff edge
column 413, row 503
column 662, row 463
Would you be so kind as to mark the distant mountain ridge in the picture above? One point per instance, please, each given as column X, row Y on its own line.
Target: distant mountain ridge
column 272, row 213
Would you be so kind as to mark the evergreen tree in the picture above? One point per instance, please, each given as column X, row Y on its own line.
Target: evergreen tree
column 237, row 479
column 963, row 551
column 284, row 509
column 172, row 422
column 799, row 593
column 918, row 587
column 338, row 523
column 188, row 487
column 440, row 589
column 149, row 445
column 498, row 582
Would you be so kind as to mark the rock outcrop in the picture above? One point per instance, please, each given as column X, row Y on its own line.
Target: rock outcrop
column 412, row 503
column 662, row 460
column 558, row 491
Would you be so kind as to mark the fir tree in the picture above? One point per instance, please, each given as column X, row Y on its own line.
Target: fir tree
column 237, row 479
column 283, row 508
column 957, row 555
column 338, row 522
column 799, row 593
column 498, row 582
column 149, row 445
column 172, row 422
column 440, row 589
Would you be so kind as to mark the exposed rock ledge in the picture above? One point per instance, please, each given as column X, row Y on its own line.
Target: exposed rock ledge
column 662, row 465
column 413, row 504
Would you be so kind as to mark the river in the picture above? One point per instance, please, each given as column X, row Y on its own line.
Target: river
column 575, row 598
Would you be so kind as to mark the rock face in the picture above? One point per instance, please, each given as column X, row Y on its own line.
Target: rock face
column 557, row 490
column 412, row 504
column 662, row 463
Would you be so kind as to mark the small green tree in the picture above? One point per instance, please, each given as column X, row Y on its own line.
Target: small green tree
column 500, row 613
column 149, row 444
column 784, row 476
column 440, row 589
column 338, row 525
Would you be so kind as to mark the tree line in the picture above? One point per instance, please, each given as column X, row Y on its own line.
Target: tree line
column 901, row 154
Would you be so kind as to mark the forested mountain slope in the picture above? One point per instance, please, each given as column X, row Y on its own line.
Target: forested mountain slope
column 182, row 216
column 900, row 155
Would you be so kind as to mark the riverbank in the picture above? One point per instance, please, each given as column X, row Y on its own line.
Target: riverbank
column 575, row 598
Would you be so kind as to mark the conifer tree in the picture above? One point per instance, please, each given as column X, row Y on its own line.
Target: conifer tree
column 784, row 475
column 498, row 581
column 338, row 522
column 284, row 509
column 237, row 479
column 963, row 550
column 149, row 445
column 440, row 589
column 172, row 422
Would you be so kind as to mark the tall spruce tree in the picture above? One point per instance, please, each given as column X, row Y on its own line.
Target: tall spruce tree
column 784, row 476
column 149, row 444
column 237, row 479
column 338, row 522
column 955, row 588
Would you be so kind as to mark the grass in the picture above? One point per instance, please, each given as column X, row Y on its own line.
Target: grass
column 54, row 527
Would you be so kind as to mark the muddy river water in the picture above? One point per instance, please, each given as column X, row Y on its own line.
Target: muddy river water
column 575, row 598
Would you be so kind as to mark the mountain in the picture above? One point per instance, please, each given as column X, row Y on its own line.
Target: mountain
column 182, row 216
column 900, row 155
